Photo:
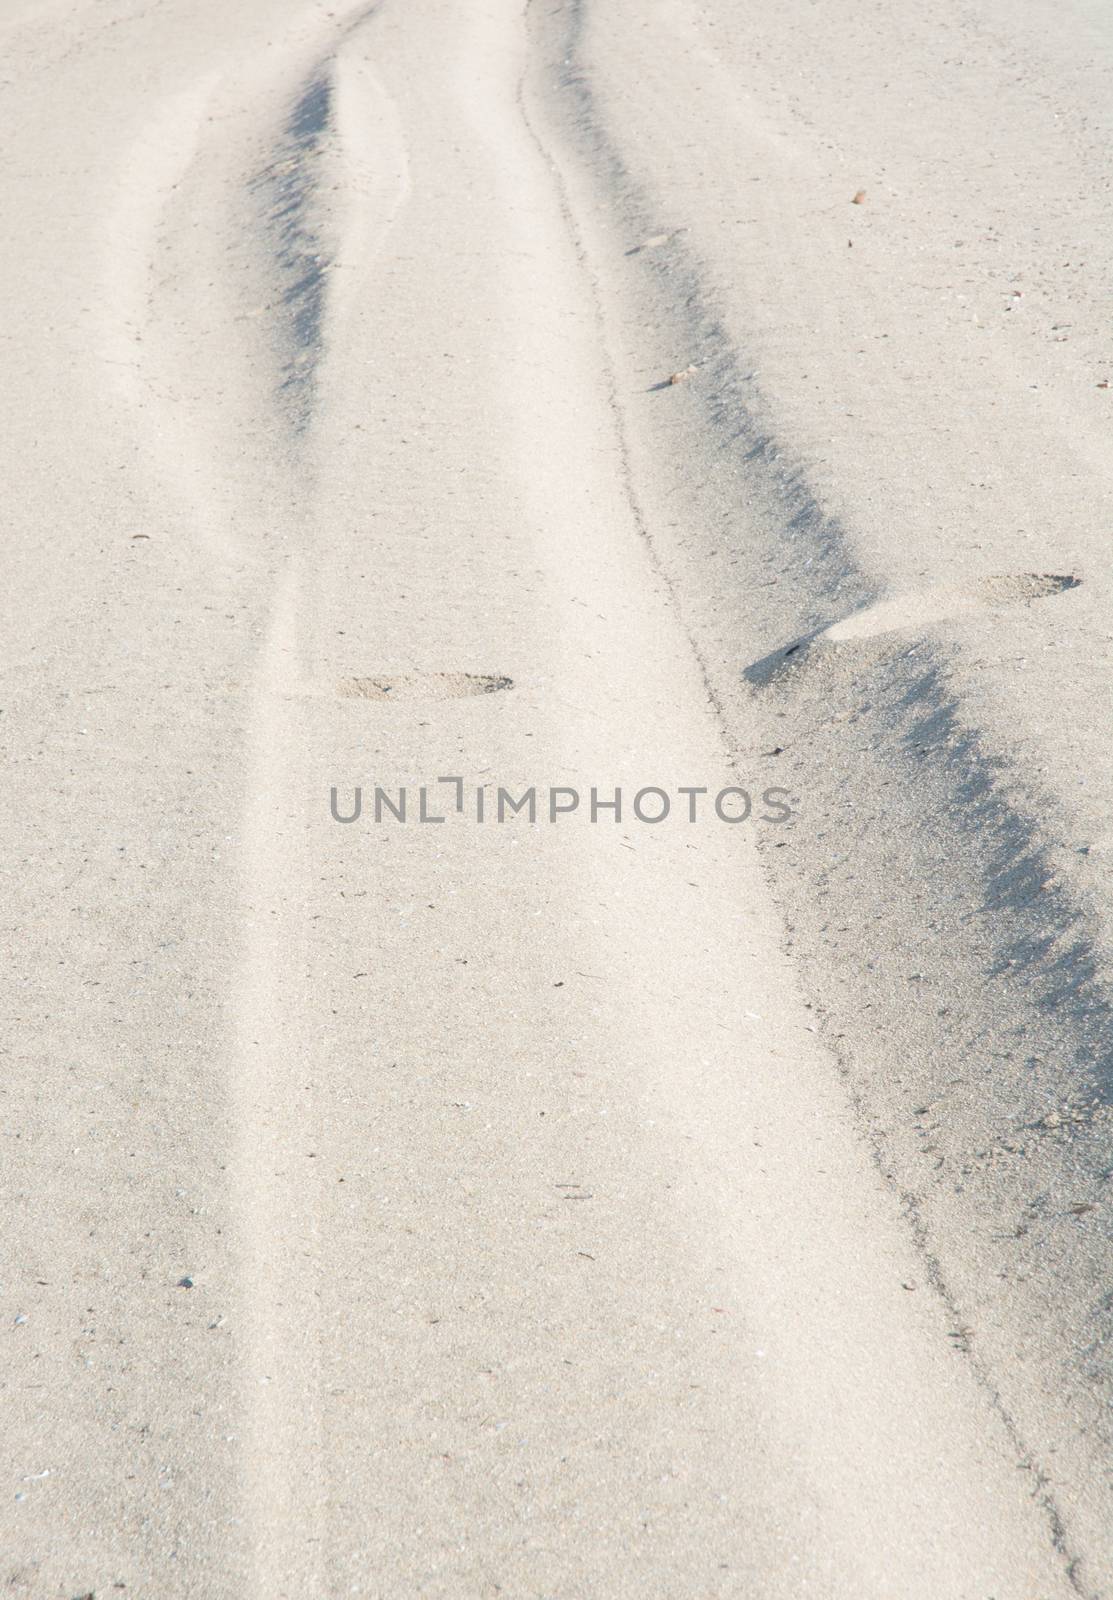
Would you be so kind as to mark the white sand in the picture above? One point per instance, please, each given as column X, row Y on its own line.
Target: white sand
column 472, row 1210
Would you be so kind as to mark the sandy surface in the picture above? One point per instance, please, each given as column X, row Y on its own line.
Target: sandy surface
column 584, row 1208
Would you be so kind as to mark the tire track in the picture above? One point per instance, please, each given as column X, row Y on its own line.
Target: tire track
column 329, row 199
column 982, row 891
column 218, row 338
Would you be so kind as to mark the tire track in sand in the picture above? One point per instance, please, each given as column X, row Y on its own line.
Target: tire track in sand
column 248, row 209
column 341, row 136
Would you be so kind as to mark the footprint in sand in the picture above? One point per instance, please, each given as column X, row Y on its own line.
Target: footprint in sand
column 916, row 610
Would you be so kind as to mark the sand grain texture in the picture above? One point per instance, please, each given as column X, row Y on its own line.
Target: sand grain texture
column 471, row 1210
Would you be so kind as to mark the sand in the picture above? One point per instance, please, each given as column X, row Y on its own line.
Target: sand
column 591, row 1205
